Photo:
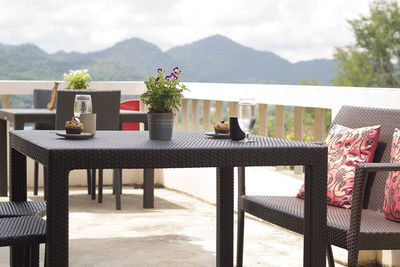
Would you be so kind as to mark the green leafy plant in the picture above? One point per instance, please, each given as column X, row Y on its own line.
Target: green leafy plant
column 77, row 79
column 164, row 93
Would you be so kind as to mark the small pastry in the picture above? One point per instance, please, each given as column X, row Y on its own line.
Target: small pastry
column 222, row 127
column 73, row 126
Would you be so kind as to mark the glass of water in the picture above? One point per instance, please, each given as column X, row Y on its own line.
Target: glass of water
column 82, row 105
column 247, row 117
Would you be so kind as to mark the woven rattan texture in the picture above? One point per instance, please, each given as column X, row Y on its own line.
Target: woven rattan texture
column 353, row 229
column 22, row 230
column 288, row 212
column 27, row 115
column 41, row 98
column 22, row 208
column 131, row 149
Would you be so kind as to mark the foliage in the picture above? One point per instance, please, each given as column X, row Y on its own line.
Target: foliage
column 77, row 79
column 306, row 137
column 374, row 59
column 164, row 93
column 304, row 81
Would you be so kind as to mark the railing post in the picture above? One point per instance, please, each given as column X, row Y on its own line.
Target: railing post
column 218, row 110
column 195, row 114
column 5, row 101
column 185, row 114
column 176, row 121
column 262, row 122
column 298, row 132
column 206, row 115
column 319, row 124
column 279, row 125
column 232, row 109
column 143, row 107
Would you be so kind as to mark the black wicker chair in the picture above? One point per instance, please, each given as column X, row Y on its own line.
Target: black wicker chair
column 363, row 227
column 106, row 106
column 40, row 99
column 25, row 232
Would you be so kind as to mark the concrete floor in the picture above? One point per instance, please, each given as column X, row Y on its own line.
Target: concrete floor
column 179, row 231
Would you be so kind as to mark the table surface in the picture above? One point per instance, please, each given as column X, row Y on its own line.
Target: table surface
column 21, row 116
column 209, row 152
column 129, row 149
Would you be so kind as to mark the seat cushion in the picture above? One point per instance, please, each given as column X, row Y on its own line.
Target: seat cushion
column 288, row 212
column 391, row 204
column 346, row 148
column 22, row 230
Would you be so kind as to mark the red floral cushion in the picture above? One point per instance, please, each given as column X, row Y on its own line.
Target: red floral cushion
column 346, row 148
column 391, row 205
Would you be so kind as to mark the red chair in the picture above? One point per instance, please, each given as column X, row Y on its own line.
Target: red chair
column 133, row 104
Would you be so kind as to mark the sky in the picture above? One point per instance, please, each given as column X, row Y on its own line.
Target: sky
column 295, row 30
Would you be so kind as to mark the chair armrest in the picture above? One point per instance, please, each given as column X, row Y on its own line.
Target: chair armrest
column 375, row 167
column 360, row 181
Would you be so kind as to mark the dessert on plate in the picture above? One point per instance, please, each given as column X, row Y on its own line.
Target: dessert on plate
column 73, row 126
column 222, row 127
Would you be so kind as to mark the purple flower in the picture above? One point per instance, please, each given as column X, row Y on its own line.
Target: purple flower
column 167, row 77
column 174, row 75
column 159, row 70
column 157, row 79
column 176, row 69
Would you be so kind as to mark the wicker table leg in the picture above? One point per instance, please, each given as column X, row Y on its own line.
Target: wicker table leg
column 315, row 235
column 148, row 188
column 3, row 158
column 57, row 217
column 224, row 216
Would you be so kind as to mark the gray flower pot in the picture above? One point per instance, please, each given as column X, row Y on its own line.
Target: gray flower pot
column 160, row 125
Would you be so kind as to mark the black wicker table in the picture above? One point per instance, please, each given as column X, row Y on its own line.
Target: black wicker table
column 21, row 116
column 127, row 149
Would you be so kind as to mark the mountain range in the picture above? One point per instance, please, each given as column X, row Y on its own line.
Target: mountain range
column 212, row 59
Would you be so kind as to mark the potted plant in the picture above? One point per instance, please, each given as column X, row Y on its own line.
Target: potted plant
column 163, row 95
column 77, row 79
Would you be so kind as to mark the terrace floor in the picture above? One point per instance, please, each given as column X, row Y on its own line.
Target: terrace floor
column 180, row 231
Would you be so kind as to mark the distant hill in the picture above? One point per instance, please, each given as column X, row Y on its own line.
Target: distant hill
column 213, row 59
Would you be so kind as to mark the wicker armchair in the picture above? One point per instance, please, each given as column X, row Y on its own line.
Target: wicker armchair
column 23, row 234
column 363, row 227
column 106, row 106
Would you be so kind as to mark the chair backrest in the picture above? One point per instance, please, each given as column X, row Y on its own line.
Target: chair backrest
column 105, row 103
column 131, row 104
column 41, row 97
column 389, row 119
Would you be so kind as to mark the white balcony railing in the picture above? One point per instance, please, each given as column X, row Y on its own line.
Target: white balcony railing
column 318, row 97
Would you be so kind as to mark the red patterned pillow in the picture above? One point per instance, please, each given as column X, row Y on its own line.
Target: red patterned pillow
column 391, row 205
column 346, row 148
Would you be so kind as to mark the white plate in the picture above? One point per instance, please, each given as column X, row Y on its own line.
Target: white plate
column 74, row 136
column 218, row 135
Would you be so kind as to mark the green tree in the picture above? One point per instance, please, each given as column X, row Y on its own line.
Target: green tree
column 374, row 60
column 304, row 81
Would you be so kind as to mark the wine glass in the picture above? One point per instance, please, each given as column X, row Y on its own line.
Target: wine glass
column 247, row 117
column 82, row 105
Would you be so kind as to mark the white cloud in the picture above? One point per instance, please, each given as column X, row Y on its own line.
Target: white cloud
column 296, row 30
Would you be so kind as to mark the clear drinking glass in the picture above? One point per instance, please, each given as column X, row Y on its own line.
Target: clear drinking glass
column 247, row 117
column 82, row 105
